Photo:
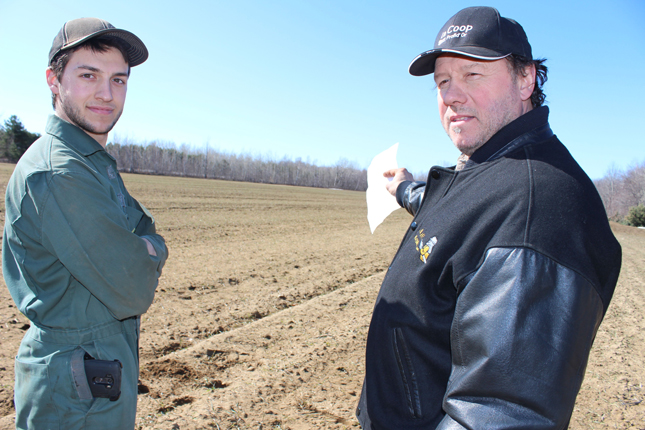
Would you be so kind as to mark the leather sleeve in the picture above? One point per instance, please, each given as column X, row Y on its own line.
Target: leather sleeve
column 520, row 340
column 409, row 195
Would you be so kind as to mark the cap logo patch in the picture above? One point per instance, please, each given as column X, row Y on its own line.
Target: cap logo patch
column 454, row 31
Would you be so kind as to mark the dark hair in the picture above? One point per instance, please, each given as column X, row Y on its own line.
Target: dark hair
column 96, row 44
column 519, row 64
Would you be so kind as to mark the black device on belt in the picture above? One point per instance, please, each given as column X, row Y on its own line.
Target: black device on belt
column 103, row 377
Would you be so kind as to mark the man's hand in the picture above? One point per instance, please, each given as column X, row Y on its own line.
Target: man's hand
column 151, row 249
column 398, row 176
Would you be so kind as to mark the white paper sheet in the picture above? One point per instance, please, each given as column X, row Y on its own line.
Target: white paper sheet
column 380, row 203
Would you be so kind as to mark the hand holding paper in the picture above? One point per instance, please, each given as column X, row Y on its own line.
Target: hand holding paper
column 395, row 177
column 380, row 203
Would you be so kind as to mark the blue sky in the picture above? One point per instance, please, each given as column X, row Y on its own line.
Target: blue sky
column 325, row 80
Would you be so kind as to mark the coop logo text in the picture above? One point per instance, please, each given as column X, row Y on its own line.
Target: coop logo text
column 454, row 31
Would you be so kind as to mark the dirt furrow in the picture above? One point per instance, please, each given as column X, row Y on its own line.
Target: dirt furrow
column 305, row 361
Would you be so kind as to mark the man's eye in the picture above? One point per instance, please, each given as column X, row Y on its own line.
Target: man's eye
column 119, row 81
column 87, row 75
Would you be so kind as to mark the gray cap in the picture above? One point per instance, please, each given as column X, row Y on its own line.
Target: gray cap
column 79, row 30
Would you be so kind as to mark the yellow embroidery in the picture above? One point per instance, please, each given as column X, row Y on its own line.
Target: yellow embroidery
column 424, row 249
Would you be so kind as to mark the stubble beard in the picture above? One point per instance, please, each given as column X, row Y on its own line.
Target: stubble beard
column 499, row 116
column 75, row 116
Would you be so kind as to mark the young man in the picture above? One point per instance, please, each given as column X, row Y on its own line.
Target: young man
column 80, row 256
column 488, row 311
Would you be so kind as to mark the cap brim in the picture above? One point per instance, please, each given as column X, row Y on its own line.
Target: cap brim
column 424, row 63
column 137, row 51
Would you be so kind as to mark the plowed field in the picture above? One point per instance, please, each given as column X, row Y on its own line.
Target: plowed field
column 261, row 314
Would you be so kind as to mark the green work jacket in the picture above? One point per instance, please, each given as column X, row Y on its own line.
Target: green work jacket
column 76, row 265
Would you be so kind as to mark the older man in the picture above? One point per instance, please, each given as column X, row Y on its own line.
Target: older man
column 80, row 256
column 488, row 311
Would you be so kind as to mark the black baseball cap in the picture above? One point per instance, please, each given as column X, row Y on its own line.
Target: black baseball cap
column 476, row 32
column 79, row 30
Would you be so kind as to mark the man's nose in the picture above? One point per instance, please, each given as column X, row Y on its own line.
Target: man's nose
column 453, row 93
column 104, row 91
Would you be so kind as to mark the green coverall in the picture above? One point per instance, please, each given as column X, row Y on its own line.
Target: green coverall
column 76, row 265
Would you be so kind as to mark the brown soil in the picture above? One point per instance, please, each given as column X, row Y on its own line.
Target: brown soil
column 261, row 315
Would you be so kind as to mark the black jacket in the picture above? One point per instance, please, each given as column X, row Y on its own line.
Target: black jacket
column 489, row 309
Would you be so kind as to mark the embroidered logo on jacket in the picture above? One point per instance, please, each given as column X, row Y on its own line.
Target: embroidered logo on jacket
column 111, row 173
column 424, row 247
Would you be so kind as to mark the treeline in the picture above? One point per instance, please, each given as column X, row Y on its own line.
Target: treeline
column 623, row 194
column 166, row 159
column 14, row 139
column 622, row 191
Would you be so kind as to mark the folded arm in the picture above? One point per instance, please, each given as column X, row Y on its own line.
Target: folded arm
column 95, row 240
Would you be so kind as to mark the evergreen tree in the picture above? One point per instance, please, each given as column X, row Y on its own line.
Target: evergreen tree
column 636, row 216
column 15, row 139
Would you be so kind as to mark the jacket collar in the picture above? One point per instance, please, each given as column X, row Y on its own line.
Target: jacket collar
column 531, row 127
column 72, row 135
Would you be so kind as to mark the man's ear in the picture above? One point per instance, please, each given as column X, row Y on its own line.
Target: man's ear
column 527, row 82
column 52, row 81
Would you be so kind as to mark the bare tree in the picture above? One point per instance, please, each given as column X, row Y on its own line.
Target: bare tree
column 163, row 158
